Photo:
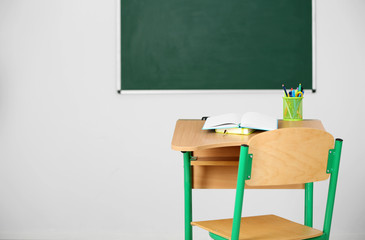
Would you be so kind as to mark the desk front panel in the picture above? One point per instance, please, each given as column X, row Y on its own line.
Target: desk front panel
column 217, row 168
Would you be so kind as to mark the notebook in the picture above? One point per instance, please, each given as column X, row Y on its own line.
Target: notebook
column 241, row 131
column 252, row 120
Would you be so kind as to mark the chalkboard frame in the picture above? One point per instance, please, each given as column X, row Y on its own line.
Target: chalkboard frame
column 207, row 91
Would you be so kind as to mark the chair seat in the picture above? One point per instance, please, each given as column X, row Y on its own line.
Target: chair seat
column 266, row 227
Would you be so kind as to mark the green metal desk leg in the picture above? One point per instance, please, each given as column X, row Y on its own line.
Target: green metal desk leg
column 308, row 205
column 188, row 199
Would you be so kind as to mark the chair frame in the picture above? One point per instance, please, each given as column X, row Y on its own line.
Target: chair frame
column 244, row 173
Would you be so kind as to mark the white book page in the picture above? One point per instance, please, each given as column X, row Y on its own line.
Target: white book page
column 230, row 120
column 259, row 121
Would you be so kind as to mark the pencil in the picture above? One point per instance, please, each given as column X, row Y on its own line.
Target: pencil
column 286, row 94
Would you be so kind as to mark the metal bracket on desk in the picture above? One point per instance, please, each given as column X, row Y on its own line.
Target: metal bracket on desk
column 248, row 167
column 331, row 155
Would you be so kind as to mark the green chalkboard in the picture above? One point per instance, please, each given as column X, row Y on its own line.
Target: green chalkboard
column 215, row 44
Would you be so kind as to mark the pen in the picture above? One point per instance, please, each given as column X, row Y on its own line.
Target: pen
column 286, row 94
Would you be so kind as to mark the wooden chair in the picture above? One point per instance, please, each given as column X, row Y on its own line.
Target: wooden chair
column 282, row 157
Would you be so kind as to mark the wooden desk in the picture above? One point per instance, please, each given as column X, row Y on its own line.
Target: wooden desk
column 211, row 159
column 189, row 136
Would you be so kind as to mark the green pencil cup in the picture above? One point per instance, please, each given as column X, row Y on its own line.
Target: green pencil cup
column 292, row 108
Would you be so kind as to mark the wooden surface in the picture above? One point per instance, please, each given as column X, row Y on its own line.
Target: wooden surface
column 221, row 173
column 212, row 162
column 189, row 136
column 267, row 227
column 218, row 152
column 225, row 177
column 289, row 156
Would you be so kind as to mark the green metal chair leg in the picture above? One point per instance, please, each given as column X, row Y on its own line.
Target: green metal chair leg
column 244, row 173
column 216, row 237
column 332, row 168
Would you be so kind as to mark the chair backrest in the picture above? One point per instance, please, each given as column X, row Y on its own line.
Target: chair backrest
column 289, row 156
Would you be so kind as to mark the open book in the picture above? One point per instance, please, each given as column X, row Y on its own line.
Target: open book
column 252, row 120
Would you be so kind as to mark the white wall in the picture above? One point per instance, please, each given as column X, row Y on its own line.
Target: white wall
column 79, row 161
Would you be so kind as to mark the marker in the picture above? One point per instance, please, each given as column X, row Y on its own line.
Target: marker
column 300, row 87
column 286, row 94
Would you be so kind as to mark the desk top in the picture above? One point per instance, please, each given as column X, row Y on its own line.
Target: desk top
column 189, row 136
